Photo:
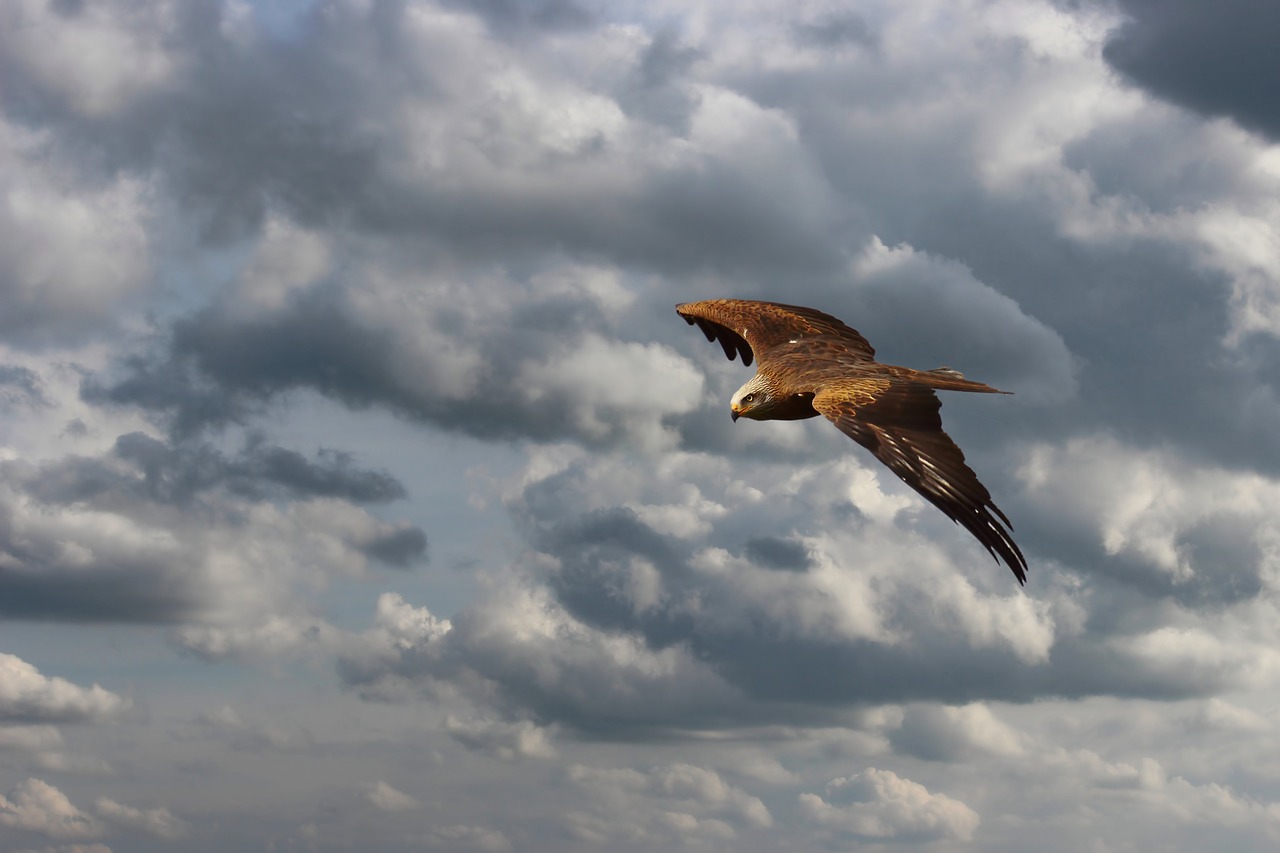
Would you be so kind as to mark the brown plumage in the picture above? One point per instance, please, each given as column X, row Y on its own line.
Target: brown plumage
column 809, row 363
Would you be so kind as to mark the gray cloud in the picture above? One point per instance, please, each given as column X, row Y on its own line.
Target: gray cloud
column 845, row 624
column 549, row 668
column 1216, row 60
column 178, row 473
column 1099, row 281
column 476, row 217
column 657, row 94
column 157, row 513
column 399, row 547
column 775, row 553
column 519, row 372
column 511, row 18
column 337, row 154
column 20, row 386
column 121, row 591
column 799, row 638
column 838, row 29
column 950, row 317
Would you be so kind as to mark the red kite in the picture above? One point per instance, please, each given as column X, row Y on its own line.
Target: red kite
column 810, row 364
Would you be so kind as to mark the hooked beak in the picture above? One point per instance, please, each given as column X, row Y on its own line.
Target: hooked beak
column 733, row 413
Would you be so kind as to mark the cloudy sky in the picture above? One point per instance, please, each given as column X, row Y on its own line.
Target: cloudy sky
column 360, row 488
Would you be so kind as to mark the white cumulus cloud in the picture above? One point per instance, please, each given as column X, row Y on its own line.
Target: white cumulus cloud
column 26, row 694
column 879, row 804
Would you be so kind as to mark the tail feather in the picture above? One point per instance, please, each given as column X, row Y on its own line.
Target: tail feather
column 949, row 379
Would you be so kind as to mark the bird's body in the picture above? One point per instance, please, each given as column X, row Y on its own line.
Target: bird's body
column 809, row 364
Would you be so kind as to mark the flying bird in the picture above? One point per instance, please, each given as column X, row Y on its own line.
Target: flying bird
column 809, row 364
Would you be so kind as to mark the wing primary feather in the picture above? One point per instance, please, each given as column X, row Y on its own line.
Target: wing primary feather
column 762, row 326
column 730, row 350
column 899, row 423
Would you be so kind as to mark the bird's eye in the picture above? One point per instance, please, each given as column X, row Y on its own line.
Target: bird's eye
column 750, row 398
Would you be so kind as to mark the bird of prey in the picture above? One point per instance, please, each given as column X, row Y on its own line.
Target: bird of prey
column 809, row 364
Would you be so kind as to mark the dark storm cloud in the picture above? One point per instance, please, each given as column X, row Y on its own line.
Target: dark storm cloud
column 332, row 475
column 613, row 571
column 593, row 555
column 617, row 577
column 656, row 93
column 514, row 17
column 1175, row 381
column 67, row 8
column 311, row 125
column 1221, row 560
column 189, row 400
column 838, row 29
column 765, row 211
column 1218, row 59
column 1171, row 165
column 220, row 136
column 391, row 204
column 317, row 345
column 575, row 677
column 20, row 386
column 132, row 592
column 219, row 140
column 43, row 578
column 177, row 474
column 223, row 369
column 225, row 366
column 779, row 206
column 399, row 548
column 935, row 667
column 741, row 678
column 776, row 553
column 65, row 558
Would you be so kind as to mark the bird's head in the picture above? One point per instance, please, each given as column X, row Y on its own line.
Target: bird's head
column 753, row 400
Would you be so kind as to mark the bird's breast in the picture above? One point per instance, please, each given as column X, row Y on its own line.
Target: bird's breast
column 796, row 407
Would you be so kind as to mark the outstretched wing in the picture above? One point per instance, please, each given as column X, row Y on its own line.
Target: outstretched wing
column 750, row 329
column 899, row 423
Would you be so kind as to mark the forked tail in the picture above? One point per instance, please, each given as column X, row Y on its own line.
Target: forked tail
column 948, row 379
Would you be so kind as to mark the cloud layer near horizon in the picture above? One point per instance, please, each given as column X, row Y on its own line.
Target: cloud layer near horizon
column 360, row 488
